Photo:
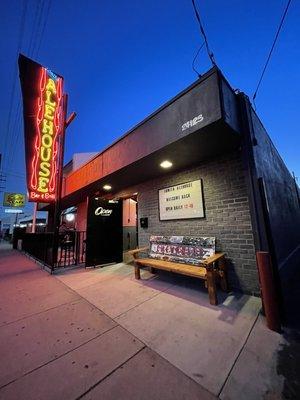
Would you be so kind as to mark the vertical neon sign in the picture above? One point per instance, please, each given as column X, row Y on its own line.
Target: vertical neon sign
column 42, row 183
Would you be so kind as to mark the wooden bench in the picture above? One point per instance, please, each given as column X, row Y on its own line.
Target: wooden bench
column 186, row 255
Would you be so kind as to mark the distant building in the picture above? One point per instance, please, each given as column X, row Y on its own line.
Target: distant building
column 40, row 224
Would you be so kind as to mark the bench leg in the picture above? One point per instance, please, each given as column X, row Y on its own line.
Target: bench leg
column 211, row 286
column 137, row 273
column 223, row 275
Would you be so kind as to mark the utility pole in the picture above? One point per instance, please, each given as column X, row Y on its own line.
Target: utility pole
column 34, row 217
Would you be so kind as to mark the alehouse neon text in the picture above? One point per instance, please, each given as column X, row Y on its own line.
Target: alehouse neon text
column 48, row 124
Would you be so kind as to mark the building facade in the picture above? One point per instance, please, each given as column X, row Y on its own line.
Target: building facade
column 211, row 134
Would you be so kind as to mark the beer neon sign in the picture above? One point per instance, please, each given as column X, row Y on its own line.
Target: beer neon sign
column 46, row 145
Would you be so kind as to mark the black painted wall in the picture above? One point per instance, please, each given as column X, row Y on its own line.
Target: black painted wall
column 281, row 195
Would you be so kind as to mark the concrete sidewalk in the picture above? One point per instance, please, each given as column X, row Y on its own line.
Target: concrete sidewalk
column 100, row 334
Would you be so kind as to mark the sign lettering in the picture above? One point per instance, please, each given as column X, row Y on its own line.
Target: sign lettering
column 103, row 212
column 42, row 92
column 183, row 201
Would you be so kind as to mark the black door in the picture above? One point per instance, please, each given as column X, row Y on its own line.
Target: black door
column 104, row 241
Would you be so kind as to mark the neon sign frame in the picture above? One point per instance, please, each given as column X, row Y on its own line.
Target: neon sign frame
column 49, row 124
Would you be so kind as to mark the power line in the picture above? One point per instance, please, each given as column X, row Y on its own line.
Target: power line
column 272, row 48
column 13, row 172
column 15, row 134
column 44, row 26
column 15, row 127
column 209, row 52
column 12, row 95
column 38, row 27
column 36, row 37
column 34, row 27
column 195, row 58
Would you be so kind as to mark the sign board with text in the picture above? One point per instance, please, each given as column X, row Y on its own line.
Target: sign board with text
column 14, row 200
column 43, row 111
column 183, row 201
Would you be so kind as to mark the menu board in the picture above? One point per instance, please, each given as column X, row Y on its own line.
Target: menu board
column 183, row 201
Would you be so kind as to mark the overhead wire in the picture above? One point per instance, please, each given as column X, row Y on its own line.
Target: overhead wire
column 195, row 58
column 15, row 134
column 37, row 34
column 209, row 52
column 271, row 50
column 11, row 171
column 38, row 29
column 44, row 26
column 34, row 27
column 12, row 95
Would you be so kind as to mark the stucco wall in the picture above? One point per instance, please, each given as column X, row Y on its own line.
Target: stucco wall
column 227, row 215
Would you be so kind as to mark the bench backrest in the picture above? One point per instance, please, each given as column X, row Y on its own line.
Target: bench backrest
column 182, row 249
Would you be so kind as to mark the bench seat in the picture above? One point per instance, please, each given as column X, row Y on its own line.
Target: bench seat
column 184, row 269
column 211, row 269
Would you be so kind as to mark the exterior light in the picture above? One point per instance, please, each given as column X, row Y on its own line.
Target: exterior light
column 106, row 187
column 70, row 217
column 166, row 164
column 96, row 198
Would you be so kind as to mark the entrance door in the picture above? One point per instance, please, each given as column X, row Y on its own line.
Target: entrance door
column 129, row 224
column 104, row 241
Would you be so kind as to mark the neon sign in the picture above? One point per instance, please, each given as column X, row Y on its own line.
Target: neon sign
column 43, row 174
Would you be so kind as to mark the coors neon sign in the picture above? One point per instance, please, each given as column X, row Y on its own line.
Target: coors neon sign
column 43, row 125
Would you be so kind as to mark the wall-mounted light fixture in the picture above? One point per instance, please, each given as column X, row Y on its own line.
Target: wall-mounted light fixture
column 70, row 217
column 166, row 164
column 107, row 187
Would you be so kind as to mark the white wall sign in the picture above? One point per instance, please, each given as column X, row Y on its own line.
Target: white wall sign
column 183, row 201
column 103, row 212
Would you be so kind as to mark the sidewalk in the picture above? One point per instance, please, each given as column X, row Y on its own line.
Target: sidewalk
column 100, row 334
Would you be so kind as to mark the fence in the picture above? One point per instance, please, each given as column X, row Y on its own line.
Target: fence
column 67, row 251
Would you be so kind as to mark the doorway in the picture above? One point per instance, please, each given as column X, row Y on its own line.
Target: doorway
column 104, row 238
column 130, row 225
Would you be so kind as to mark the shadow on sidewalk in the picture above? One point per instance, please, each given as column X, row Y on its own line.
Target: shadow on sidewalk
column 288, row 362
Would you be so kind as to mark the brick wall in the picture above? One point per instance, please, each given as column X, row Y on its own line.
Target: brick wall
column 227, row 215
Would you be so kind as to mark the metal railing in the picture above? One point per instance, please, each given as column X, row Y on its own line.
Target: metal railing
column 70, row 248
column 39, row 246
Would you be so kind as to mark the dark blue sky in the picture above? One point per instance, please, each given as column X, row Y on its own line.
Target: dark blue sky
column 123, row 59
